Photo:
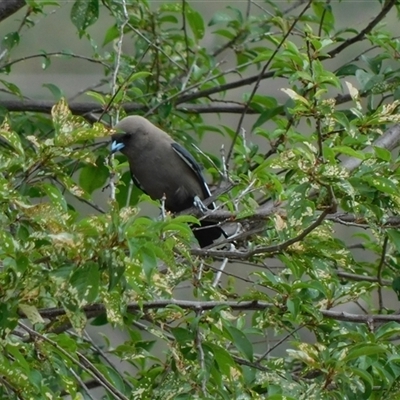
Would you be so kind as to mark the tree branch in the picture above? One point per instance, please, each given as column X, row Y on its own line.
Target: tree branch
column 360, row 36
column 265, row 250
column 98, row 309
column 55, row 54
column 82, row 108
column 363, row 278
column 222, row 88
column 9, row 7
column 265, row 214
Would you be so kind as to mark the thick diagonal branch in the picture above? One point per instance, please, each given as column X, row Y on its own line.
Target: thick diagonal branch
column 9, row 7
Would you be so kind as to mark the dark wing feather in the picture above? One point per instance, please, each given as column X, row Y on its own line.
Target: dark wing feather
column 189, row 160
column 137, row 183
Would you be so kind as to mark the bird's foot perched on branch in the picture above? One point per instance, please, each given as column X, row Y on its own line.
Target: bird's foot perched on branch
column 199, row 204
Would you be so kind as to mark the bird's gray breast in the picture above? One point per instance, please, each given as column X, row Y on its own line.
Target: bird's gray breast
column 160, row 171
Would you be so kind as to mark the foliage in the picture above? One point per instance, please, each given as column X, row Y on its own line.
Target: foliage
column 314, row 195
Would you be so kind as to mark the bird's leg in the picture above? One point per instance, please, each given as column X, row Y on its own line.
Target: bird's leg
column 199, row 204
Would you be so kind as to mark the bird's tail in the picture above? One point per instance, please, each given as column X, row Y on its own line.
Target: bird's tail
column 207, row 232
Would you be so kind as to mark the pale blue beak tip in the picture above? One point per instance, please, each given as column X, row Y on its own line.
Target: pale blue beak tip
column 115, row 146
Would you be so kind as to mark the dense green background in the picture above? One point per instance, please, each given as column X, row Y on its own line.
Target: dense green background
column 295, row 108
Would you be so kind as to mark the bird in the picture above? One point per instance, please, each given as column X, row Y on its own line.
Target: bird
column 163, row 169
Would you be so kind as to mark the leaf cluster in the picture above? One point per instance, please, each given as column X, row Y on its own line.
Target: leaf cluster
column 314, row 202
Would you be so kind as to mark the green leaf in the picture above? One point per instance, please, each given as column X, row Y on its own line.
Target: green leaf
column 368, row 81
column 101, row 98
column 84, row 13
column 267, row 115
column 86, row 281
column 363, row 349
column 123, row 191
column 346, row 70
column 149, row 260
column 277, row 396
column 220, row 17
column 265, row 55
column 383, row 154
column 112, row 33
column 12, row 138
column 221, row 356
column 55, row 196
column 16, row 353
column 139, row 75
column 46, row 62
column 168, row 18
column 366, row 378
column 10, row 40
column 375, row 63
column 240, row 341
column 293, row 306
column 14, row 89
column 55, row 90
column 31, row 313
column 396, row 285
column 383, row 184
column 93, row 177
column 349, row 151
column 238, row 14
column 71, row 129
column 7, row 243
column 225, row 33
column 394, row 235
column 195, row 21
column 387, row 330
column 323, row 11
column 182, row 336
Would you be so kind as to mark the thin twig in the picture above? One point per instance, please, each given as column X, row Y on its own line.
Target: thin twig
column 220, row 270
column 379, row 271
column 185, row 33
column 104, row 356
column 163, row 212
column 209, row 160
column 321, row 21
column 362, row 278
column 55, row 54
column 97, row 85
column 361, row 35
column 293, row 7
column 115, row 89
column 81, row 384
column 260, row 77
column 96, row 375
column 277, row 344
column 154, row 45
column 203, row 371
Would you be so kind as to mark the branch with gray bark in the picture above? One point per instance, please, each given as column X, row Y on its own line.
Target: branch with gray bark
column 82, row 108
column 9, row 7
column 94, row 310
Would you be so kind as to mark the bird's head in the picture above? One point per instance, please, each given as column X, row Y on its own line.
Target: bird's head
column 128, row 129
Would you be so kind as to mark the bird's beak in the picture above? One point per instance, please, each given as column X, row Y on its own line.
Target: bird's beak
column 115, row 146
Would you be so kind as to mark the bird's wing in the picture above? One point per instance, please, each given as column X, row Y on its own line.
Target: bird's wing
column 189, row 160
column 137, row 183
